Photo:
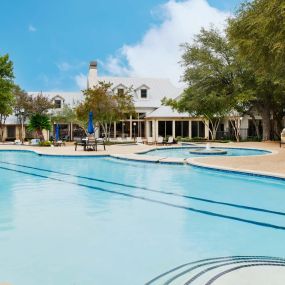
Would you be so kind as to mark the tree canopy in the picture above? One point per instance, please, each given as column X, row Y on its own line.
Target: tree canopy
column 211, row 73
column 107, row 106
column 6, row 91
column 258, row 31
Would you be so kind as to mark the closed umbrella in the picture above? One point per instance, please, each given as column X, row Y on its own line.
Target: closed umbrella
column 90, row 129
column 57, row 132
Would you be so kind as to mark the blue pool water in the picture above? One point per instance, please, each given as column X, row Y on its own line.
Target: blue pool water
column 105, row 221
column 184, row 152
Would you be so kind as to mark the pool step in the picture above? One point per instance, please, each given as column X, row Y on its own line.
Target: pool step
column 211, row 271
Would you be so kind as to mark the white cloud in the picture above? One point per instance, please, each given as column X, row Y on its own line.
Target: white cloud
column 32, row 28
column 64, row 66
column 81, row 81
column 158, row 53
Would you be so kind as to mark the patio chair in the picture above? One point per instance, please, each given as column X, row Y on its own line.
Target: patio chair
column 170, row 141
column 35, row 141
column 139, row 140
column 159, row 140
column 150, row 140
column 78, row 141
column 91, row 144
column 129, row 139
column 100, row 141
column 17, row 142
column 59, row 143
column 282, row 141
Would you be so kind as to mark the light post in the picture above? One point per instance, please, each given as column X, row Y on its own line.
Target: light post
column 134, row 124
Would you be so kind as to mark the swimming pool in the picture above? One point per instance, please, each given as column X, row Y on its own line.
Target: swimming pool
column 106, row 221
column 184, row 152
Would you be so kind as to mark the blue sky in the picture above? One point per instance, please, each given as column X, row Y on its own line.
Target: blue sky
column 51, row 42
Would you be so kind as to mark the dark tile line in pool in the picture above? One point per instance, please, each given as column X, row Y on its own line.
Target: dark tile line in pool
column 214, row 260
column 204, row 212
column 219, row 275
column 147, row 189
column 228, row 262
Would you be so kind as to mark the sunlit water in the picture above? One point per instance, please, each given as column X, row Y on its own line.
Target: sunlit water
column 89, row 221
column 184, row 152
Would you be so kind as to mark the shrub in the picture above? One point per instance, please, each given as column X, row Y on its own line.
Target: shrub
column 45, row 143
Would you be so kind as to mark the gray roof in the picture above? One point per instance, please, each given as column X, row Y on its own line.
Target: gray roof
column 167, row 112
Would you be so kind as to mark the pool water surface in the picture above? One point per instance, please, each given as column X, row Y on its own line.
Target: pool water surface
column 184, row 152
column 106, row 221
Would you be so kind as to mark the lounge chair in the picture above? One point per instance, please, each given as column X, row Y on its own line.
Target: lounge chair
column 139, row 140
column 170, row 141
column 129, row 139
column 59, row 143
column 100, row 141
column 35, row 141
column 78, row 141
column 17, row 142
column 91, row 144
column 159, row 140
column 119, row 139
column 282, row 141
column 150, row 140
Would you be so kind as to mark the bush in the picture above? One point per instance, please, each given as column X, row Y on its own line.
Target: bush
column 45, row 143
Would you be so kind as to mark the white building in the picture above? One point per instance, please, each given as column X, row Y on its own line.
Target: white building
column 151, row 120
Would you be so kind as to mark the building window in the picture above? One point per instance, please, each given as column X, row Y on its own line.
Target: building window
column 120, row 91
column 57, row 104
column 143, row 93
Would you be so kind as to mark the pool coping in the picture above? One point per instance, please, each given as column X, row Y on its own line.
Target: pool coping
column 140, row 157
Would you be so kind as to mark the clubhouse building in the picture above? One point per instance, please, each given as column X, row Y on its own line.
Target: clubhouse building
column 151, row 118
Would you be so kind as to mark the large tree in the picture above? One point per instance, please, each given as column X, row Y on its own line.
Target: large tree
column 258, row 30
column 107, row 106
column 258, row 33
column 211, row 74
column 6, row 91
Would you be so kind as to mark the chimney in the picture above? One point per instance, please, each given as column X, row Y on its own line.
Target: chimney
column 92, row 75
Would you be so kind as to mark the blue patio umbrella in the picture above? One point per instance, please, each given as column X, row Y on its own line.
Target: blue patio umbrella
column 57, row 132
column 90, row 129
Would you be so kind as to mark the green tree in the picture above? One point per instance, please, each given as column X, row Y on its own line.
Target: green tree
column 6, row 91
column 211, row 74
column 23, row 107
column 38, row 123
column 108, row 107
column 258, row 30
column 258, row 33
column 68, row 115
column 41, row 104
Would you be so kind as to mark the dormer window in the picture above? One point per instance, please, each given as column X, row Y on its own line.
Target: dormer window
column 120, row 91
column 143, row 93
column 57, row 104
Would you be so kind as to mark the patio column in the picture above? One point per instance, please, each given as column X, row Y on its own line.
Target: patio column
column 153, row 129
column 173, row 128
column 147, row 129
column 156, row 130
column 115, row 130
column 71, row 131
column 190, row 129
column 131, row 126
column 207, row 130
